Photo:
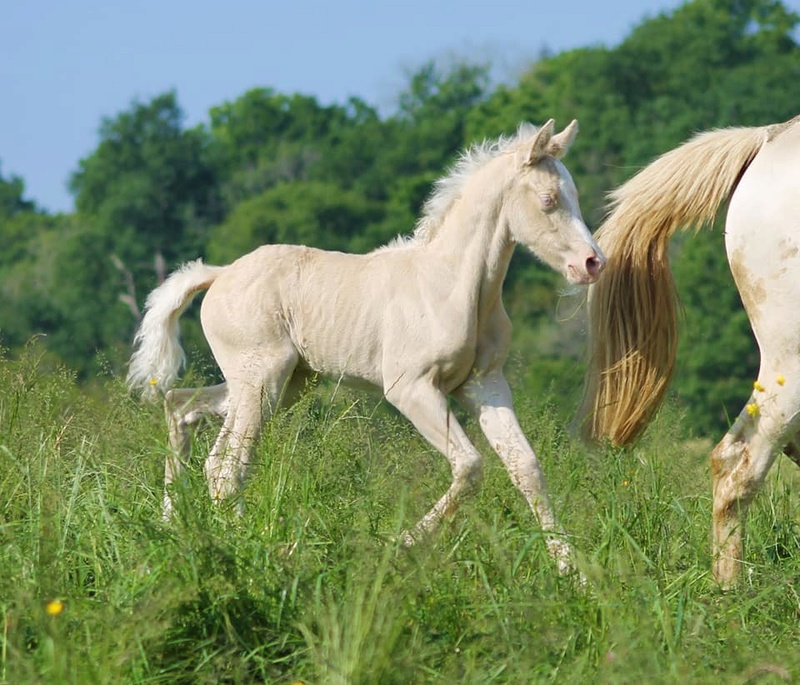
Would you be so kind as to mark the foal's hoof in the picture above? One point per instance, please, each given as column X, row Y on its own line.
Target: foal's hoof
column 406, row 540
column 563, row 556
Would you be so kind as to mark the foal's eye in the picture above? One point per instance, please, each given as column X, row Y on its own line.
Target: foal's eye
column 549, row 202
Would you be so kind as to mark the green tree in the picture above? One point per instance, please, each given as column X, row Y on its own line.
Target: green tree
column 149, row 186
column 432, row 112
column 12, row 201
column 59, row 288
column 312, row 213
column 19, row 220
column 420, row 140
column 21, row 226
column 264, row 138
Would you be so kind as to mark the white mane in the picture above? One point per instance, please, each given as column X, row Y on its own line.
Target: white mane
column 448, row 189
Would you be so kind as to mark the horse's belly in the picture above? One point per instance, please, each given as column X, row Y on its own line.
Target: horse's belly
column 365, row 360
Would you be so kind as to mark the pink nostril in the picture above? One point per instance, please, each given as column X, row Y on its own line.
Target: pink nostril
column 594, row 266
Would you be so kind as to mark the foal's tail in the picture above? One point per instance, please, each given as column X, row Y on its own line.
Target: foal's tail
column 158, row 355
column 633, row 306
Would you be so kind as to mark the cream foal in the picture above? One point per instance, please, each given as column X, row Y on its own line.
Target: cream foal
column 417, row 320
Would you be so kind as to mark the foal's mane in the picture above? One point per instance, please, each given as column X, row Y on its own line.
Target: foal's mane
column 448, row 188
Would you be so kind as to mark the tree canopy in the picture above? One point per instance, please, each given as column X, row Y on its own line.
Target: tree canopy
column 275, row 167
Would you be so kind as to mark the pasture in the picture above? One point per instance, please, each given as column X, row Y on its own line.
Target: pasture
column 310, row 583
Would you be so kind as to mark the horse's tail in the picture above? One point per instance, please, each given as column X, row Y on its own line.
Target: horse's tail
column 158, row 355
column 633, row 306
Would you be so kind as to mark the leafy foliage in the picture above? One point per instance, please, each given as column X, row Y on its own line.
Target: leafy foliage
column 269, row 166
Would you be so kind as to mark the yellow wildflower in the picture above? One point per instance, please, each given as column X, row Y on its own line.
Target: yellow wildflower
column 780, row 380
column 752, row 409
column 625, row 483
column 154, row 381
column 54, row 607
column 758, row 387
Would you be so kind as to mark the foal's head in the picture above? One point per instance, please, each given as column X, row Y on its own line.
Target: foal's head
column 542, row 211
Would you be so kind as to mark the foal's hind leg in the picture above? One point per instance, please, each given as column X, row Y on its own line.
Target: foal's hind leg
column 488, row 397
column 426, row 407
column 184, row 408
column 255, row 395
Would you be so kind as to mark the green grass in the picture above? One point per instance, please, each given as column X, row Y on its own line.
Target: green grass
column 309, row 584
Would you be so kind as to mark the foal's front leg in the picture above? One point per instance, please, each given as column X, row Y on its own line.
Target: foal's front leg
column 489, row 398
column 426, row 407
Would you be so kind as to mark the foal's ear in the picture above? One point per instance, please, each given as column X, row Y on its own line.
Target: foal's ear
column 539, row 145
column 561, row 142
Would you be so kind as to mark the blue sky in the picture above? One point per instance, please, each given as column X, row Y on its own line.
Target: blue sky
column 66, row 64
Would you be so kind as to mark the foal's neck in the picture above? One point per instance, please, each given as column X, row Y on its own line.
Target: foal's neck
column 473, row 237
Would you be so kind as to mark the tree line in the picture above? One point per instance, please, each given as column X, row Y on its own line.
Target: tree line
column 276, row 167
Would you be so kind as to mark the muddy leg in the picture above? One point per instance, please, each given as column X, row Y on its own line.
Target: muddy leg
column 740, row 463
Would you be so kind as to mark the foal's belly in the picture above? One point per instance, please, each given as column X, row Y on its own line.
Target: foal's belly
column 367, row 360
column 344, row 347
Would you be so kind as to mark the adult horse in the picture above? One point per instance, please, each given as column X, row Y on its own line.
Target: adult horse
column 418, row 320
column 633, row 308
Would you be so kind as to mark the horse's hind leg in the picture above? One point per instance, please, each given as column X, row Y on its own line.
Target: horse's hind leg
column 426, row 407
column 761, row 242
column 771, row 418
column 741, row 461
column 184, row 408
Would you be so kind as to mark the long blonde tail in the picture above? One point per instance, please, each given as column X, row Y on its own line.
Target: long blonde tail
column 158, row 355
column 633, row 306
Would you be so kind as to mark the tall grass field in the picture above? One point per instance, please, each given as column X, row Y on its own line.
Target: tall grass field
column 309, row 585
